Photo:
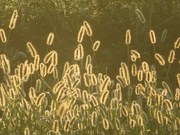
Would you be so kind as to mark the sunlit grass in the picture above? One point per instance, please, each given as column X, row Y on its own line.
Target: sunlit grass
column 82, row 101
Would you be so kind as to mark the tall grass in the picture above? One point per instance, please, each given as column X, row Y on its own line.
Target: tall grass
column 82, row 101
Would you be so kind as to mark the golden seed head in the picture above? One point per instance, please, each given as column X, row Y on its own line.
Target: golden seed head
column 94, row 118
column 135, row 55
column 145, row 67
column 85, row 96
column 96, row 45
column 27, row 131
column 48, row 57
column 81, row 34
column 87, row 79
column 117, row 124
column 55, row 126
column 40, row 98
column 128, row 37
column 105, row 123
column 159, row 116
column 63, row 107
column 171, row 56
column 3, row 36
column 13, row 20
column 178, row 78
column 104, row 96
column 31, row 49
column 134, row 69
column 50, row 38
column 67, row 126
column 160, row 59
column 105, row 83
column 177, row 43
column 114, row 104
column 94, row 79
column 88, row 28
column 152, row 36
column 132, row 123
column 140, row 75
column 43, row 69
column 168, row 104
column 94, row 100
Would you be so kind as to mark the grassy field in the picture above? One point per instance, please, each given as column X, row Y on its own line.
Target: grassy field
column 39, row 98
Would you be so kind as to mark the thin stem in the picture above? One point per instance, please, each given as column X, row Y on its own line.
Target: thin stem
column 168, row 76
column 5, row 47
column 128, row 59
column 154, row 51
column 50, row 89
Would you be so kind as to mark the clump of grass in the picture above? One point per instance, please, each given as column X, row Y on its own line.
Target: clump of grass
column 81, row 101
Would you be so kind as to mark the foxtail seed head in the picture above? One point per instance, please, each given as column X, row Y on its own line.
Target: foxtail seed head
column 94, row 118
column 128, row 37
column 105, row 123
column 88, row 28
column 31, row 49
column 140, row 16
column 13, row 20
column 81, row 34
column 104, row 96
column 96, row 45
column 55, row 126
column 3, row 36
column 160, row 59
column 171, row 57
column 152, row 36
column 50, row 38
column 27, row 131
column 40, row 98
column 177, row 43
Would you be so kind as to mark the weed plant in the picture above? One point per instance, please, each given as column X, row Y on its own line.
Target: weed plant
column 81, row 100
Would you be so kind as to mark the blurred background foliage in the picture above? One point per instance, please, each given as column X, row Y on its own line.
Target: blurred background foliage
column 109, row 20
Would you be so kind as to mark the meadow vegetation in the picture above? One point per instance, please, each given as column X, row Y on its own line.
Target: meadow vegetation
column 41, row 95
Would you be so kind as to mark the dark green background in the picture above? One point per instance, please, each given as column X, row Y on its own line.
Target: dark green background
column 109, row 20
